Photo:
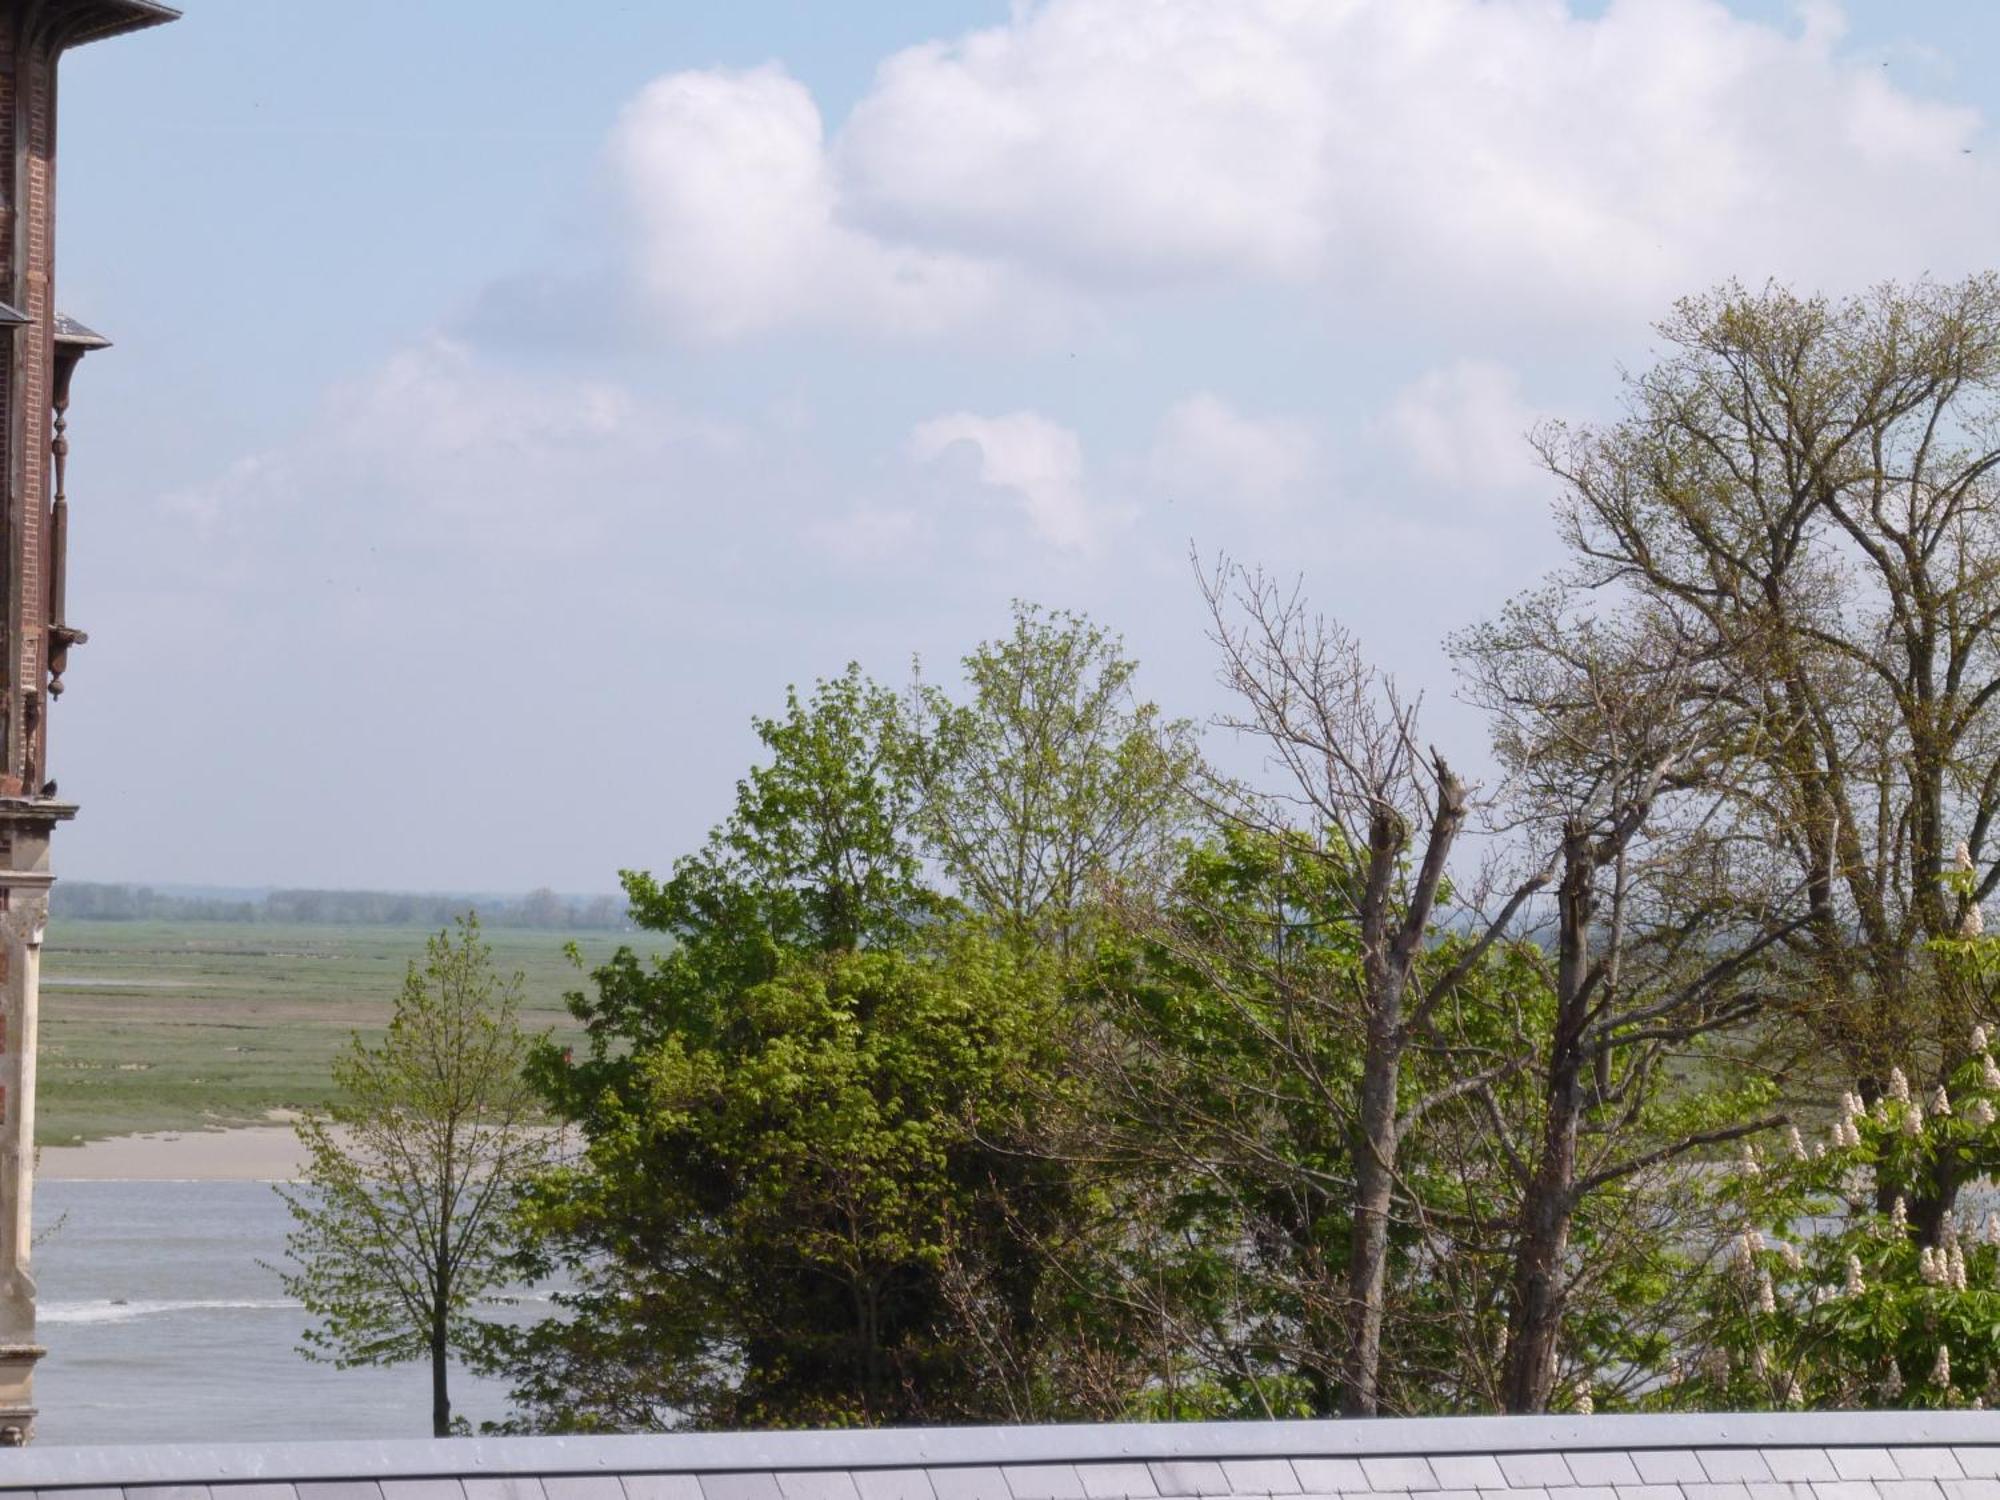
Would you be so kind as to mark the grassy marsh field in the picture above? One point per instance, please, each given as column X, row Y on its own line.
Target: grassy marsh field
column 189, row 1025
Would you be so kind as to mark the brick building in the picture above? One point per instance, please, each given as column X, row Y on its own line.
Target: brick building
column 41, row 353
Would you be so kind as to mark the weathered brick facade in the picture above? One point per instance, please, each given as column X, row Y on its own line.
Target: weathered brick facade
column 40, row 353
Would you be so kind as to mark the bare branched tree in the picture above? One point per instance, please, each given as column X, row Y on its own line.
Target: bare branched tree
column 1380, row 815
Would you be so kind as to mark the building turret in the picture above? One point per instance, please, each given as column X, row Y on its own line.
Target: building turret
column 42, row 350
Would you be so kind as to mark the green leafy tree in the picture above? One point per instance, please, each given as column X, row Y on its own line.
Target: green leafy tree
column 1805, row 487
column 1821, row 1299
column 762, row 1218
column 401, row 1223
column 1051, row 779
column 802, row 1197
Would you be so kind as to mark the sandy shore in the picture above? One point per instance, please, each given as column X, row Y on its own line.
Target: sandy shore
column 258, row 1153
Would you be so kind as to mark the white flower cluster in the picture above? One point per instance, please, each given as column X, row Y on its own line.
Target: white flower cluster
column 1855, row 1285
column 1899, row 1086
column 1944, row 1268
column 1585, row 1406
column 1941, row 1368
column 1845, row 1131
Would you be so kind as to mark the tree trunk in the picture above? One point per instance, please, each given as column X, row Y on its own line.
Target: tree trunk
column 1538, row 1290
column 440, row 1370
column 1374, row 1184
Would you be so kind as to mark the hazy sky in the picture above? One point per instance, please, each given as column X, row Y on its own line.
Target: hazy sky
column 509, row 398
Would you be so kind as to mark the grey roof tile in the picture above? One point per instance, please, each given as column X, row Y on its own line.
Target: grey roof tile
column 392, row 1489
column 1799, row 1464
column 349, row 1489
column 1733, row 1465
column 1908, row 1489
column 894, row 1484
column 1779, row 1489
column 118, row 1494
column 1408, row 1473
column 1449, row 1494
column 832, row 1484
column 1603, row 1468
column 1978, row 1463
column 579, row 1487
column 1117, row 1481
column 504, row 1487
column 1984, row 1488
column 1190, row 1476
column 1927, row 1463
column 1844, row 1489
column 1735, row 1491
column 1585, row 1492
column 751, row 1484
column 1525, row 1492
column 1263, row 1476
column 661, row 1486
column 1386, row 1495
column 1326, row 1476
column 166, row 1491
column 1650, row 1492
column 1043, row 1481
column 1863, row 1463
column 286, row 1491
column 1535, row 1469
column 1668, row 1466
column 1473, row 1471
column 970, row 1482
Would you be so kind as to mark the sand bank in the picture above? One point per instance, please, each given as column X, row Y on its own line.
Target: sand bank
column 255, row 1153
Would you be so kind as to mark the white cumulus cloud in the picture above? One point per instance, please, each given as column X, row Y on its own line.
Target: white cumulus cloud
column 1039, row 463
column 1514, row 158
column 737, row 215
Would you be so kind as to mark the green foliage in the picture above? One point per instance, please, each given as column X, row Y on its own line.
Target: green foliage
column 401, row 1223
column 1052, row 779
column 1829, row 1296
column 783, row 1179
column 801, row 1199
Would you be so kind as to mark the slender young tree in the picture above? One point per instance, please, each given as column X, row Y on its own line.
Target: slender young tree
column 401, row 1221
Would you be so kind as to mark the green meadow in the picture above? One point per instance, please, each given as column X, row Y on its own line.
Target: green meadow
column 192, row 1025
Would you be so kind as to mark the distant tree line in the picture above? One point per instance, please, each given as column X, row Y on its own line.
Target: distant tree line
column 542, row 910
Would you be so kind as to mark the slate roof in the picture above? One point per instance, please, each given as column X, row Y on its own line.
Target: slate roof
column 1794, row 1456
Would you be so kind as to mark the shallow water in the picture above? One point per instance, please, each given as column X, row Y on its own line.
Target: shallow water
column 165, row 1323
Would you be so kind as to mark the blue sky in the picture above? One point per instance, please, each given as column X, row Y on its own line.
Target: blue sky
column 511, row 399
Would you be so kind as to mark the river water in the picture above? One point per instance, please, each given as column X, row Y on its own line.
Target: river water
column 164, row 1322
